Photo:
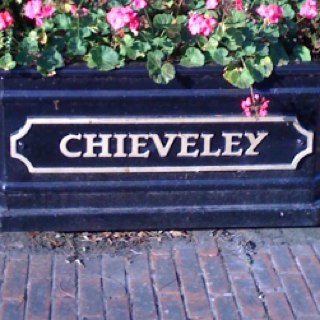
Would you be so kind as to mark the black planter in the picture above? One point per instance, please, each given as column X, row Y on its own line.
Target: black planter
column 90, row 150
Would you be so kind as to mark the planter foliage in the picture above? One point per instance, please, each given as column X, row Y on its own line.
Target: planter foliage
column 249, row 38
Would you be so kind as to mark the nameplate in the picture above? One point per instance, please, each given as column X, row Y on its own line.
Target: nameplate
column 163, row 144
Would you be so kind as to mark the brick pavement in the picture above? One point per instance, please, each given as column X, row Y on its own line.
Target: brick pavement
column 207, row 278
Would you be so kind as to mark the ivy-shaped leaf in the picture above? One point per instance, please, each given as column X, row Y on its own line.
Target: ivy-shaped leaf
column 193, row 58
column 103, row 58
column 238, row 76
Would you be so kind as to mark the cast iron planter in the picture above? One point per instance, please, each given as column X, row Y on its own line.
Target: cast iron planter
column 51, row 181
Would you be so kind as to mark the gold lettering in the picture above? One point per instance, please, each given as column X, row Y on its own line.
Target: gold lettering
column 254, row 142
column 230, row 142
column 207, row 138
column 188, row 140
column 163, row 149
column 91, row 144
column 136, row 144
column 120, row 153
column 64, row 146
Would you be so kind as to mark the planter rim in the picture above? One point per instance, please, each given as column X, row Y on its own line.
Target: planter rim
column 312, row 68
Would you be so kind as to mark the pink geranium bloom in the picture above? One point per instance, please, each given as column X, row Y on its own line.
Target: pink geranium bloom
column 239, row 5
column 34, row 9
column 140, row 4
column 271, row 12
column 6, row 20
column 199, row 24
column 212, row 4
column 309, row 9
column 259, row 106
column 47, row 11
column 120, row 17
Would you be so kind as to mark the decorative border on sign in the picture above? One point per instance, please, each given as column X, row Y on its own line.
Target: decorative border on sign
column 160, row 120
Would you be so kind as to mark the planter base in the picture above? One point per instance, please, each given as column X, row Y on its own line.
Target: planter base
column 160, row 218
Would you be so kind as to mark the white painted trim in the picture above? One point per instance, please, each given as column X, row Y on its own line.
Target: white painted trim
column 160, row 120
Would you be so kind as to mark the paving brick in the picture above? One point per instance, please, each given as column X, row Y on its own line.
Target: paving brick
column 301, row 250
column 171, row 307
column 64, row 309
column 14, row 285
column 265, row 275
column 40, row 266
column 316, row 247
column 64, row 306
column 215, row 275
column 164, row 274
column 166, row 286
column 235, row 263
column 2, row 265
column 90, row 297
column 208, row 247
column 114, row 277
column 298, row 294
column 118, row 309
column 283, row 260
column 192, row 284
column 140, row 288
column 310, row 267
column 91, row 267
column 247, row 296
column 39, row 299
column 225, row 308
column 11, row 310
column 278, row 307
column 62, row 266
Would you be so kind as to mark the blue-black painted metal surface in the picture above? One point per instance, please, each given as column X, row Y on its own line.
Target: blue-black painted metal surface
column 51, row 181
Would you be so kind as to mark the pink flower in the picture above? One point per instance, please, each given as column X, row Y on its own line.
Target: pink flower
column 211, row 4
column 6, row 20
column 309, row 9
column 47, row 11
column 140, row 4
column 259, row 106
column 239, row 5
column 271, row 12
column 198, row 24
column 33, row 9
column 120, row 17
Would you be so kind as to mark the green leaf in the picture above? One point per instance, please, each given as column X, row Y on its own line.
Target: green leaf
column 50, row 60
column 301, row 53
column 192, row 58
column 103, row 58
column 278, row 54
column 260, row 67
column 238, row 76
column 236, row 18
column 220, row 56
column 76, row 47
column 168, row 72
column 287, row 11
column 162, row 21
column 63, row 21
column 272, row 34
column 160, row 73
column 233, row 39
column 7, row 62
column 154, row 61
